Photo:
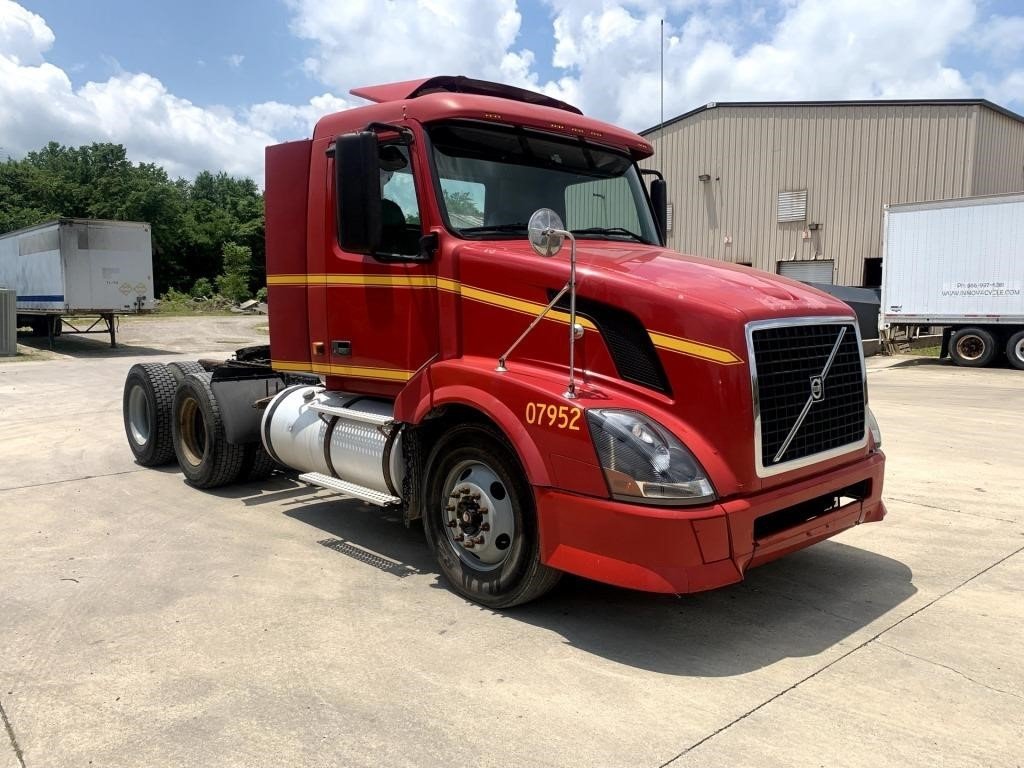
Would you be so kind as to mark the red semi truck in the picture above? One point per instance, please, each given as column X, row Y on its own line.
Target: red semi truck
column 473, row 320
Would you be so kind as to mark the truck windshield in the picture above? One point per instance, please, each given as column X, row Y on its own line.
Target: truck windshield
column 492, row 178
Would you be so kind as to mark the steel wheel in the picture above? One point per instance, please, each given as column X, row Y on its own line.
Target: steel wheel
column 1015, row 350
column 480, row 521
column 972, row 347
column 138, row 415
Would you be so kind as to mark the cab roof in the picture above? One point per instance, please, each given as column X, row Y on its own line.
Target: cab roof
column 456, row 97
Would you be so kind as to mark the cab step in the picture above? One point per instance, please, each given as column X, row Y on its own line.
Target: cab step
column 368, row 495
column 351, row 415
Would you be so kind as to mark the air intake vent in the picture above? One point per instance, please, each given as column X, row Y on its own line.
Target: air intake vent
column 628, row 342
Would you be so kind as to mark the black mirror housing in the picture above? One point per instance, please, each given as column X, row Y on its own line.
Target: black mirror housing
column 659, row 200
column 357, row 192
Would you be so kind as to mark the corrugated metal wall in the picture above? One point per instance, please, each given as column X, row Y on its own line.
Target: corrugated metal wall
column 851, row 159
column 999, row 166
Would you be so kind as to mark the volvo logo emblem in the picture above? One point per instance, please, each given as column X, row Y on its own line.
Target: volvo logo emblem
column 817, row 389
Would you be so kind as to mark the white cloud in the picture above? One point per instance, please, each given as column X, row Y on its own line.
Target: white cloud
column 24, row 36
column 38, row 103
column 235, row 60
column 364, row 43
column 818, row 49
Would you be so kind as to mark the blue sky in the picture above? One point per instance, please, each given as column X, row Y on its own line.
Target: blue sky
column 197, row 85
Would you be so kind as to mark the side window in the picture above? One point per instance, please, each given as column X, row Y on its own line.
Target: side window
column 465, row 202
column 400, row 211
column 601, row 203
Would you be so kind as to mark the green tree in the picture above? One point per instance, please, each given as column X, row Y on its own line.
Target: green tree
column 201, row 289
column 233, row 282
column 461, row 202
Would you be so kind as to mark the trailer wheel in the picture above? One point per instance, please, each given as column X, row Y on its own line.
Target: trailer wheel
column 480, row 520
column 146, row 406
column 972, row 347
column 205, row 456
column 1015, row 350
column 181, row 368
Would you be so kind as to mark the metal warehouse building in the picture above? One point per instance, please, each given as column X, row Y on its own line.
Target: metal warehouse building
column 798, row 188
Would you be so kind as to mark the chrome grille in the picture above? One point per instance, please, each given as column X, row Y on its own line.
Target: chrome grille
column 808, row 385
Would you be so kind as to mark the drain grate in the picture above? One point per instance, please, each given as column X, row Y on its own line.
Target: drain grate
column 369, row 558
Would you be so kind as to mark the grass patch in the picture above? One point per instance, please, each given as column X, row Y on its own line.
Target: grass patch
column 924, row 351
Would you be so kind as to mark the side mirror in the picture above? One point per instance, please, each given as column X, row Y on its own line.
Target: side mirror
column 659, row 199
column 545, row 232
column 357, row 208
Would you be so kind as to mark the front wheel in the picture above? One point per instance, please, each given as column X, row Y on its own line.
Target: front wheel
column 480, row 519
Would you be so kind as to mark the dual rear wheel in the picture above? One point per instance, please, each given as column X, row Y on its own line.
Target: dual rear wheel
column 170, row 412
column 977, row 348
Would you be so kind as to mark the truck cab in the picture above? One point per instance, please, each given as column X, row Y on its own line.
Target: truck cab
column 505, row 349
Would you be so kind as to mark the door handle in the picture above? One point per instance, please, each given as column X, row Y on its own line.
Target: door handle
column 341, row 348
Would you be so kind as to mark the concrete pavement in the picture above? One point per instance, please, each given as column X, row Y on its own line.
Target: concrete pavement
column 144, row 623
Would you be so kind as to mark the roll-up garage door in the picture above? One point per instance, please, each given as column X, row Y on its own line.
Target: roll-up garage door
column 807, row 271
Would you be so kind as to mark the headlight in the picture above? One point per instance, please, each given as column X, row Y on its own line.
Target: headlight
column 876, row 433
column 645, row 462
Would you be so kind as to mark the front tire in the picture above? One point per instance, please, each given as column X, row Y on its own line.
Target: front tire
column 205, row 456
column 480, row 520
column 1015, row 350
column 972, row 347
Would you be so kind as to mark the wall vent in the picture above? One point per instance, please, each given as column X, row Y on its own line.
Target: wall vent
column 792, row 206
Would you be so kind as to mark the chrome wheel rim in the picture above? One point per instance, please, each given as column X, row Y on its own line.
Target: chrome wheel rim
column 1018, row 351
column 478, row 516
column 138, row 415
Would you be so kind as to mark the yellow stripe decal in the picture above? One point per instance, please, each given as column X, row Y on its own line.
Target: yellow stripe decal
column 384, row 281
column 352, row 371
column 661, row 341
column 694, row 349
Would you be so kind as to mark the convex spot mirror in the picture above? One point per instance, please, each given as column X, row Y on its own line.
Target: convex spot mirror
column 545, row 230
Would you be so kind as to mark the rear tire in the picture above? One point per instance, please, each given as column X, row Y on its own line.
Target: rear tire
column 146, row 406
column 475, row 472
column 972, row 347
column 205, row 456
column 1015, row 350
column 181, row 368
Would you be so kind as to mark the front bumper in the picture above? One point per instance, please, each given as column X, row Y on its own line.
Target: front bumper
column 673, row 550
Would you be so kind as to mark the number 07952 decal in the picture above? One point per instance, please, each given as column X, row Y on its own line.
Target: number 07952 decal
column 551, row 415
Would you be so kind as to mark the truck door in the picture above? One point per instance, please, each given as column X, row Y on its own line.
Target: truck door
column 381, row 310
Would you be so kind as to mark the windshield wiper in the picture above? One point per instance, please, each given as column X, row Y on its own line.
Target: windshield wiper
column 489, row 228
column 611, row 231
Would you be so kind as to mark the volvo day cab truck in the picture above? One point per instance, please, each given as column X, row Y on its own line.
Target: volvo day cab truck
column 958, row 264
column 474, row 321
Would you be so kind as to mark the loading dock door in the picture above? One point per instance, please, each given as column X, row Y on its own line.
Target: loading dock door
column 808, row 271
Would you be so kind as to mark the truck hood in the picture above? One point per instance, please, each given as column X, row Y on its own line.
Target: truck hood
column 721, row 288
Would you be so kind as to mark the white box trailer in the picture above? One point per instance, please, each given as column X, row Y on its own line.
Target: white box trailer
column 81, row 268
column 958, row 264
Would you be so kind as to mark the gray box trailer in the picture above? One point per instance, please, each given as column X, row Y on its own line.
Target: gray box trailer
column 958, row 264
column 78, row 268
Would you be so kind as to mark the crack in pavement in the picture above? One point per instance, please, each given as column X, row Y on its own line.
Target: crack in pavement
column 835, row 661
column 10, row 735
column 951, row 669
column 947, row 509
column 73, row 479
